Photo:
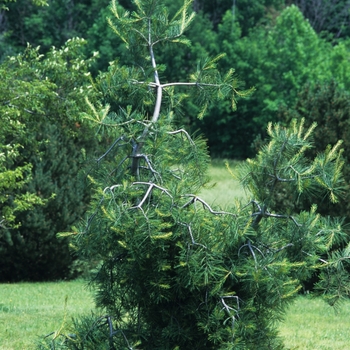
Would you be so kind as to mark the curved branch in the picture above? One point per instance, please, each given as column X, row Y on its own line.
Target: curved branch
column 205, row 205
column 148, row 192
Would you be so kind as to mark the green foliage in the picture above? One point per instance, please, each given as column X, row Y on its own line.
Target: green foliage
column 327, row 16
column 35, row 2
column 44, row 145
column 176, row 273
column 284, row 164
column 12, row 180
column 292, row 55
column 47, row 26
column 295, row 51
column 326, row 104
column 247, row 13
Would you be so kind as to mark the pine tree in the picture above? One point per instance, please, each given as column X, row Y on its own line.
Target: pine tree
column 175, row 272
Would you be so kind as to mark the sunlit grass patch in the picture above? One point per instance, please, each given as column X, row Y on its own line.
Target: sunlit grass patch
column 31, row 310
column 222, row 189
column 311, row 324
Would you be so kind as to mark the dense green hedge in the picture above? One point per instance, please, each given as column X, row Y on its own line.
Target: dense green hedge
column 44, row 98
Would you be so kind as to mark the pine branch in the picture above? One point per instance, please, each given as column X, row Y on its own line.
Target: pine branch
column 150, row 188
column 205, row 205
column 121, row 138
column 191, row 235
column 231, row 311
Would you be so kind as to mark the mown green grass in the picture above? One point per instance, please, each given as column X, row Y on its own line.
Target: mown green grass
column 31, row 310
column 311, row 324
column 222, row 189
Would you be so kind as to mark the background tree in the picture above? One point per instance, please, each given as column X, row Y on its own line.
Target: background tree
column 175, row 272
column 296, row 51
column 11, row 182
column 41, row 100
column 50, row 25
column 327, row 16
column 6, row 44
column 292, row 55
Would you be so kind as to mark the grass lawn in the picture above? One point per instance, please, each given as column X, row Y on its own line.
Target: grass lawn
column 31, row 310
column 311, row 324
column 222, row 189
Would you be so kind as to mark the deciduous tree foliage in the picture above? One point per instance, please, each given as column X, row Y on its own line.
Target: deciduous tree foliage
column 43, row 142
column 49, row 25
column 175, row 272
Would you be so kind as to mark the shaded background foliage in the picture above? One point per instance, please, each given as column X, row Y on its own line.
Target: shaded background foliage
column 45, row 96
column 293, row 53
column 327, row 16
